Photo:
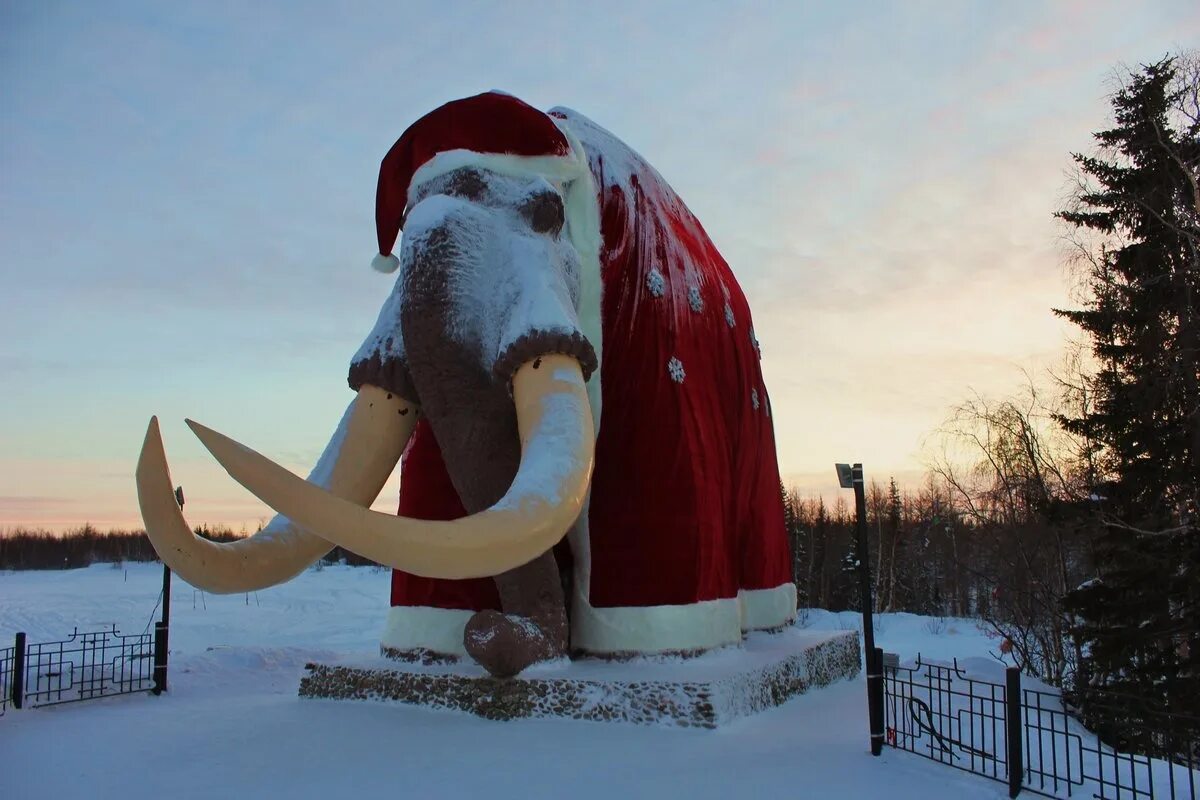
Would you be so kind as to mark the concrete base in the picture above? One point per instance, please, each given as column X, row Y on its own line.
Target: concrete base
column 703, row 691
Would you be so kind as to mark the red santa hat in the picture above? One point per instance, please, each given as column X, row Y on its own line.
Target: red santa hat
column 494, row 131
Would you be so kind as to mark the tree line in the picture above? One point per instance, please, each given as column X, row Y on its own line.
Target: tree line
column 30, row 548
column 25, row 548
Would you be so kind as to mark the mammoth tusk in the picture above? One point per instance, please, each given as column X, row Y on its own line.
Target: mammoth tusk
column 355, row 466
column 546, row 496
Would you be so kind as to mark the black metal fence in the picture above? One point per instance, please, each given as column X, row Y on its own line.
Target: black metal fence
column 84, row 666
column 1028, row 740
column 6, row 673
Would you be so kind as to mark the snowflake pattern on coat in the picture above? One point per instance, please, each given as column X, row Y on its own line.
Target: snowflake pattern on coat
column 655, row 282
column 686, row 478
column 675, row 370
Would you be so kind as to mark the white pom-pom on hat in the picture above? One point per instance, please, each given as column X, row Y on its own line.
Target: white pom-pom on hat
column 385, row 264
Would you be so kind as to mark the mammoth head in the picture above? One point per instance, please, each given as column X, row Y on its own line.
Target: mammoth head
column 489, row 280
column 481, row 337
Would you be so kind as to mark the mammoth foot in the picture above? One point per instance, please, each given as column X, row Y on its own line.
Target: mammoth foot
column 506, row 644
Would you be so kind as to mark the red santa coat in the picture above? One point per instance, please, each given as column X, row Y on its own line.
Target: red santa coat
column 683, row 545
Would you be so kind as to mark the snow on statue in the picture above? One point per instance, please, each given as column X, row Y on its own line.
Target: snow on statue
column 567, row 367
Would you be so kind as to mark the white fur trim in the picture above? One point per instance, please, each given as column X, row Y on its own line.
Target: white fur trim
column 698, row 626
column 583, row 226
column 385, row 264
column 630, row 629
column 557, row 168
column 436, row 629
column 767, row 608
column 655, row 629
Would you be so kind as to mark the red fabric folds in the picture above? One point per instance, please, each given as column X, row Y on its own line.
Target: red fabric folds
column 686, row 502
column 427, row 493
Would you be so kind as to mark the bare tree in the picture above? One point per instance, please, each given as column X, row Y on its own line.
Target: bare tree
column 1014, row 478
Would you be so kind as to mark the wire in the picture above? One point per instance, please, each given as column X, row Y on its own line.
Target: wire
column 157, row 603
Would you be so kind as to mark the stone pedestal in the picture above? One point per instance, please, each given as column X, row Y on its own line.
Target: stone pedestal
column 704, row 691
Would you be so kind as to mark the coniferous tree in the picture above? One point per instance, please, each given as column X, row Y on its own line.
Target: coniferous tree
column 897, row 556
column 794, row 524
column 851, row 564
column 817, row 543
column 1139, row 619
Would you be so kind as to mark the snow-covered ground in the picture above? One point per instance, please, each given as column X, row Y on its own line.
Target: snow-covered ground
column 232, row 725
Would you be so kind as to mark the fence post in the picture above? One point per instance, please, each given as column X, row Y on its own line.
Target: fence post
column 160, row 657
column 18, row 681
column 1013, row 727
column 875, row 698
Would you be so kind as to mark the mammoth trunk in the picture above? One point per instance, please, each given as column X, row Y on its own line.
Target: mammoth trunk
column 472, row 418
column 475, row 300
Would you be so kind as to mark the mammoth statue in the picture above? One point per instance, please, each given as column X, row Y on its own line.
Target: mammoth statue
column 568, row 370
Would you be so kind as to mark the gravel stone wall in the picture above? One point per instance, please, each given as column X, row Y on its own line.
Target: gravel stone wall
column 684, row 703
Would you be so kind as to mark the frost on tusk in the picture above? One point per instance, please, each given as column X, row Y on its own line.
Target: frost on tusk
column 355, row 465
column 557, row 447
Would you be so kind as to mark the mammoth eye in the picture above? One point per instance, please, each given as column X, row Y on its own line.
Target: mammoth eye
column 466, row 183
column 544, row 211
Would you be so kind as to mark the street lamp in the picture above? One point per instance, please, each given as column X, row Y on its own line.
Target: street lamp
column 851, row 477
column 162, row 628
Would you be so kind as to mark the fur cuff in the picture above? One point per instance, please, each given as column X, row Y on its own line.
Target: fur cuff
column 540, row 343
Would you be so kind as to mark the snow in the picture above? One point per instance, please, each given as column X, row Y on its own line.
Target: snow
column 506, row 282
column 386, row 337
column 232, row 724
column 551, row 455
column 625, row 171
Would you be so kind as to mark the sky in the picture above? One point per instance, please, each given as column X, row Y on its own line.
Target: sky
column 187, row 207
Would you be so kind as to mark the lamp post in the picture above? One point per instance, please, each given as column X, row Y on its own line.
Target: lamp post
column 851, row 477
column 162, row 628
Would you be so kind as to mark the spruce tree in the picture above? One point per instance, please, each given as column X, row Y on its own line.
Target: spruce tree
column 1138, row 620
column 795, row 533
column 899, row 571
column 851, row 566
column 818, row 539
